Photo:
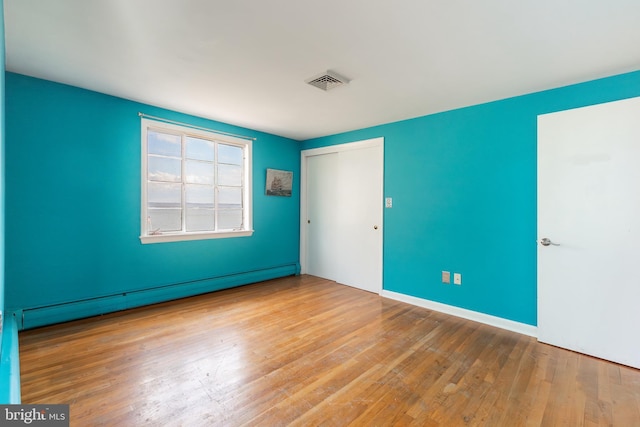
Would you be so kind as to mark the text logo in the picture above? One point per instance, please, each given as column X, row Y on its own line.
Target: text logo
column 34, row 415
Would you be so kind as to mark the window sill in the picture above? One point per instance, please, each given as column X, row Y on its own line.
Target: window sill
column 162, row 238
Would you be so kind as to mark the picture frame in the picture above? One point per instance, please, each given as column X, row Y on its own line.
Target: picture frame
column 279, row 183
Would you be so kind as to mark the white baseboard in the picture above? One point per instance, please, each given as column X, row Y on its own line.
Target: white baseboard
column 475, row 316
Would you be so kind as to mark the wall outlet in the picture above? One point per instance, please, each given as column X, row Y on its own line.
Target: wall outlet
column 457, row 278
column 388, row 202
column 446, row 277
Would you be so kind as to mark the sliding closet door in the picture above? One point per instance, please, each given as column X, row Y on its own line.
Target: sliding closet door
column 322, row 217
column 360, row 218
column 342, row 214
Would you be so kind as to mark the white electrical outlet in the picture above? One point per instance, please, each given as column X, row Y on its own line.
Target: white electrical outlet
column 457, row 279
column 388, row 202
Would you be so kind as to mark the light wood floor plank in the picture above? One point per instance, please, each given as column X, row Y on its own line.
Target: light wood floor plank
column 305, row 351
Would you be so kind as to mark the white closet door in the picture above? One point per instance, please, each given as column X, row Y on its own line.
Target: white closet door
column 322, row 216
column 360, row 220
column 589, row 208
column 341, row 234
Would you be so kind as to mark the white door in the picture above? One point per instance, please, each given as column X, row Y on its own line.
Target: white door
column 322, row 219
column 359, row 230
column 589, row 208
column 342, row 200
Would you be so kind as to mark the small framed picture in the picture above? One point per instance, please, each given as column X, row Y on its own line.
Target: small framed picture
column 279, row 183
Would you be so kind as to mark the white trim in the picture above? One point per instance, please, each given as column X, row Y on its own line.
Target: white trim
column 303, row 211
column 304, row 154
column 188, row 125
column 161, row 238
column 357, row 145
column 475, row 316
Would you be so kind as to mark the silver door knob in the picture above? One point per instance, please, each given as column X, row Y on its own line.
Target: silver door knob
column 547, row 242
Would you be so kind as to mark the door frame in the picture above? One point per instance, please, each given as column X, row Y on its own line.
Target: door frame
column 304, row 155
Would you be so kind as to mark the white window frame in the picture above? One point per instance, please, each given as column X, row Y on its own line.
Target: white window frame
column 177, row 236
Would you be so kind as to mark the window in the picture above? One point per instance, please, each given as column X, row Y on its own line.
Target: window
column 196, row 184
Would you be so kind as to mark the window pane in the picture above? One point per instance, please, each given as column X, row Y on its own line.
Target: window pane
column 200, row 149
column 164, row 220
column 229, row 219
column 200, row 219
column 199, row 196
column 230, row 154
column 164, row 144
column 198, row 172
column 161, row 195
column 230, row 175
column 229, row 197
column 164, row 169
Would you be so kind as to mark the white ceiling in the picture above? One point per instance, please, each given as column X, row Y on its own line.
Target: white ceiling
column 245, row 62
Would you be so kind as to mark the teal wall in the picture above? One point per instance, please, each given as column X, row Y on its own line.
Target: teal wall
column 73, row 203
column 463, row 184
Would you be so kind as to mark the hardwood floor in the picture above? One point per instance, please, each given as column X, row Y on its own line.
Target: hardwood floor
column 307, row 351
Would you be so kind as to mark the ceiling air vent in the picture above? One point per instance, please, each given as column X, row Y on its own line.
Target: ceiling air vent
column 327, row 81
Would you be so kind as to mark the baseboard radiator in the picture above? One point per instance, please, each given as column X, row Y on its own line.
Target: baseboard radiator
column 33, row 317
